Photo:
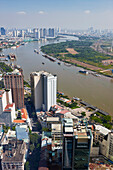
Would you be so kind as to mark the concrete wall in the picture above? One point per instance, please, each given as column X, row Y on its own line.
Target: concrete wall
column 94, row 151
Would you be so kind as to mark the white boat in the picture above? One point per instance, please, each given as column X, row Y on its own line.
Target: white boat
column 13, row 47
column 36, row 51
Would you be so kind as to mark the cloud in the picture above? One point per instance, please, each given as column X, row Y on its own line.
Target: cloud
column 87, row 11
column 21, row 12
column 41, row 12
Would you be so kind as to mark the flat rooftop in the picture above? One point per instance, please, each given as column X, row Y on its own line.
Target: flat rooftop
column 56, row 128
column 38, row 73
column 81, row 132
column 52, row 119
column 14, row 152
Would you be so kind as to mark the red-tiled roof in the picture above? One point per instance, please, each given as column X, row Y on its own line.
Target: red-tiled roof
column 64, row 111
column 24, row 113
column 18, row 121
column 7, row 108
column 58, row 107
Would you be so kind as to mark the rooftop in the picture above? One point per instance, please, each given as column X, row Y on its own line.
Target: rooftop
column 102, row 129
column 38, row 73
column 15, row 72
column 24, row 113
column 14, row 151
column 56, row 128
column 53, row 119
column 22, row 133
column 8, row 107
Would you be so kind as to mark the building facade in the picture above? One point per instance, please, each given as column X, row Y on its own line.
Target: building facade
column 7, row 108
column 43, row 89
column 14, row 81
column 14, row 155
column 3, row 31
column 76, row 146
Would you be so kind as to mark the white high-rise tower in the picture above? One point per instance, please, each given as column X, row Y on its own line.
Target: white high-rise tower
column 44, row 89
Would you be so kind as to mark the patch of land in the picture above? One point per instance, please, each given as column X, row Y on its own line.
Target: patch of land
column 71, row 51
column 79, row 53
column 84, row 65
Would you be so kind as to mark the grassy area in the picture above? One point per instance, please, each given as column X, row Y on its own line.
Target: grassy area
column 85, row 53
column 5, row 68
column 26, row 84
column 72, row 105
column 102, row 119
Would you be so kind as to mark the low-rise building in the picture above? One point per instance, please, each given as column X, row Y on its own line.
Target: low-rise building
column 22, row 133
column 8, row 115
column 104, row 137
column 14, row 155
column 7, row 108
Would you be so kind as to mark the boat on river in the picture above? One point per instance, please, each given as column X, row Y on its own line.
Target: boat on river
column 83, row 72
column 12, row 56
column 36, row 51
column 67, row 64
column 50, row 58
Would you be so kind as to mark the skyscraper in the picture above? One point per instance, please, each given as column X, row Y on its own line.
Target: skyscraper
column 44, row 32
column 14, row 81
column 43, row 88
column 36, row 33
column 51, row 32
column 76, row 146
column 3, row 32
column 41, row 33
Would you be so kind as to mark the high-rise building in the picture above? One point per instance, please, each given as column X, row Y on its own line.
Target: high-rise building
column 44, row 32
column 3, row 31
column 76, row 146
column 5, row 99
column 51, row 32
column 7, row 108
column 41, row 33
column 22, row 33
column 14, row 81
column 14, row 33
column 36, row 33
column 43, row 89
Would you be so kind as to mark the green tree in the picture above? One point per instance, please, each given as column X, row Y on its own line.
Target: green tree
column 32, row 147
column 83, row 114
column 27, row 167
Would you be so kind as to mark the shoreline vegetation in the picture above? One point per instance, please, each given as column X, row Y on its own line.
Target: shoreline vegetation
column 96, row 116
column 80, row 54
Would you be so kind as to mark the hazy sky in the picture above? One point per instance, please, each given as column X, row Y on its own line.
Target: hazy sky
column 71, row 14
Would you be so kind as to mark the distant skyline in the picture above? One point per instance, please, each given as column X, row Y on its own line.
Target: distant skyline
column 70, row 14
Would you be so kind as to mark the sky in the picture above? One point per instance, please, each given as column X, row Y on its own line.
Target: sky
column 67, row 14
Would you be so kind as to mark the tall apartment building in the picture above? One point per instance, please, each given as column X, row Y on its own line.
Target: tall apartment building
column 36, row 33
column 51, row 32
column 41, row 33
column 14, row 81
column 43, row 89
column 44, row 32
column 76, row 146
column 3, row 31
column 5, row 99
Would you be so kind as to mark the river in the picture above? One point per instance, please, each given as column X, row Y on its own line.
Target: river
column 97, row 91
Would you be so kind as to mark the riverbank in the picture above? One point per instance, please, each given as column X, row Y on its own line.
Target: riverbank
column 80, row 54
column 94, row 90
column 80, row 108
column 82, row 65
